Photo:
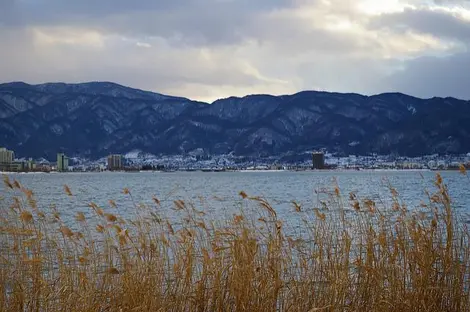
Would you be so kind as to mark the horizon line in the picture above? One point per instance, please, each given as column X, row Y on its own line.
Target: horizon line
column 231, row 96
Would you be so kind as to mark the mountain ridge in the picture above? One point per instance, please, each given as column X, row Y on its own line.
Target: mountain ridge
column 98, row 82
column 96, row 118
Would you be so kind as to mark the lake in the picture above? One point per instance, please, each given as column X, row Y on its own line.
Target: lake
column 217, row 194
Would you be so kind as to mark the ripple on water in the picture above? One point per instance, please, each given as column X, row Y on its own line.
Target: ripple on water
column 217, row 193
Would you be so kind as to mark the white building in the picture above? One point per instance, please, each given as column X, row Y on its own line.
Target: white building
column 6, row 156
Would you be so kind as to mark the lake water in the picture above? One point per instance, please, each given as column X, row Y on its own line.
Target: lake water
column 218, row 193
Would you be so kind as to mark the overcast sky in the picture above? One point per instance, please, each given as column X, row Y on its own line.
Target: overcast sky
column 208, row 49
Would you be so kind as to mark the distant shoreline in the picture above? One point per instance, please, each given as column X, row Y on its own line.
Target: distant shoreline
column 244, row 171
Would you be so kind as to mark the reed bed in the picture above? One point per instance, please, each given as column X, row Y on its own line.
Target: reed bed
column 347, row 254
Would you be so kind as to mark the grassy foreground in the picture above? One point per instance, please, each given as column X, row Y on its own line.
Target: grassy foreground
column 353, row 254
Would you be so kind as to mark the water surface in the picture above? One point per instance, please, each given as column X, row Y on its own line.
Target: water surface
column 218, row 193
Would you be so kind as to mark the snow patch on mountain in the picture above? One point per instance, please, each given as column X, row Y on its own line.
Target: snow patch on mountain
column 411, row 109
column 138, row 154
column 57, row 129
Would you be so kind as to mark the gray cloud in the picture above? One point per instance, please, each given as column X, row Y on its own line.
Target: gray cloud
column 193, row 21
column 206, row 49
column 437, row 23
column 433, row 76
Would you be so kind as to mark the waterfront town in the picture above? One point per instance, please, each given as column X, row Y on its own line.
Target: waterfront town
column 198, row 160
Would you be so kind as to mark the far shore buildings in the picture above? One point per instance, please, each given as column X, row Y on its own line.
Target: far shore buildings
column 7, row 160
column 115, row 162
column 318, row 160
column 6, row 156
column 9, row 164
column 62, row 162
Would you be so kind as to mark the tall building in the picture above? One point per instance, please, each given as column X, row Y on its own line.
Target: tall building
column 62, row 162
column 30, row 165
column 115, row 162
column 318, row 160
column 6, row 156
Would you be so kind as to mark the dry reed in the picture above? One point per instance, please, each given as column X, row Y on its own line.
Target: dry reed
column 352, row 255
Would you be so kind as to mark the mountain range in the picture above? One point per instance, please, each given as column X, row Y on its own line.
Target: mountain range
column 97, row 118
